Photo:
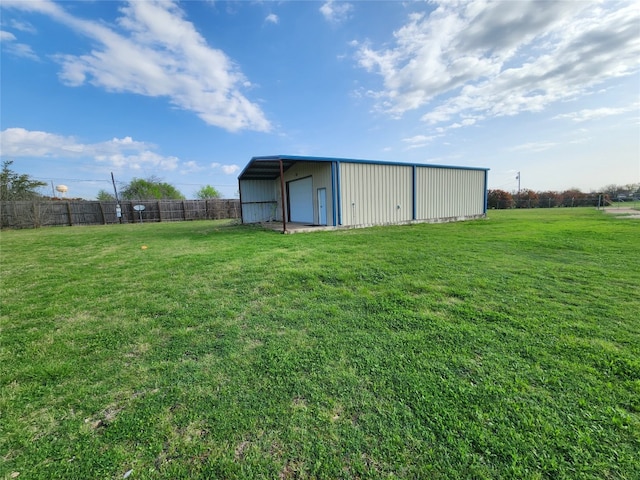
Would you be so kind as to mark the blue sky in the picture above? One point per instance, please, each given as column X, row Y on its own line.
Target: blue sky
column 189, row 91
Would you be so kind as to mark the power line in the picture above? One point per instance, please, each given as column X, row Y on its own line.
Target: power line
column 70, row 179
column 212, row 184
column 504, row 184
column 48, row 179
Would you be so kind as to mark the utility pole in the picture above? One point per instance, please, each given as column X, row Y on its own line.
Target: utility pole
column 115, row 190
column 518, row 197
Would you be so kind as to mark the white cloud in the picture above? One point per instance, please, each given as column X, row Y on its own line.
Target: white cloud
column 17, row 49
column 230, row 169
column 533, row 147
column 336, row 12
column 484, row 59
column 191, row 167
column 22, row 26
column 157, row 52
column 595, row 113
column 7, row 36
column 419, row 141
column 117, row 152
column 272, row 18
column 227, row 169
column 18, row 142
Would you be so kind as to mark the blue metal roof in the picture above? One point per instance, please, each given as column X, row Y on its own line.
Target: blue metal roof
column 268, row 167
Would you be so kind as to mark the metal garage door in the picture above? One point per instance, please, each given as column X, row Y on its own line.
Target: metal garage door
column 301, row 200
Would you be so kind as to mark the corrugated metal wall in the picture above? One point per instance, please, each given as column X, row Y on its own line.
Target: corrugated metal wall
column 375, row 194
column 449, row 192
column 260, row 200
column 321, row 173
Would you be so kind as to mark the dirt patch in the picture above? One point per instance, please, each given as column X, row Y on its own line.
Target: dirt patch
column 239, row 453
column 623, row 212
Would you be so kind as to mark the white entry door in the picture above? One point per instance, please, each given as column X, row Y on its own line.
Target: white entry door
column 322, row 206
column 301, row 200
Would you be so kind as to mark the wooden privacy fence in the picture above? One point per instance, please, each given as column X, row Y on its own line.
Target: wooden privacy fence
column 44, row 213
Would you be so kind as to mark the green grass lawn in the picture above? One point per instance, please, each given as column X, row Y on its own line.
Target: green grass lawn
column 499, row 348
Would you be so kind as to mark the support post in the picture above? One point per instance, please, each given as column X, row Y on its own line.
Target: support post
column 282, row 195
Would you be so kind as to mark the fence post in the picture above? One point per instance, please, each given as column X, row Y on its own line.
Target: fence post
column 104, row 219
column 69, row 214
column 159, row 211
column 184, row 211
column 36, row 214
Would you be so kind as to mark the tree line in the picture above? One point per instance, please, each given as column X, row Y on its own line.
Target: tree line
column 527, row 198
column 153, row 188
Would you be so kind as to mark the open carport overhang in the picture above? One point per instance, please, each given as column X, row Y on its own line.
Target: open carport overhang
column 268, row 168
column 265, row 168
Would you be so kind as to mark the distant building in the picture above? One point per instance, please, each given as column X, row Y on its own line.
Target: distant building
column 339, row 192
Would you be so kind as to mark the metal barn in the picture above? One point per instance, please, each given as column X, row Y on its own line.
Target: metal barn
column 295, row 192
